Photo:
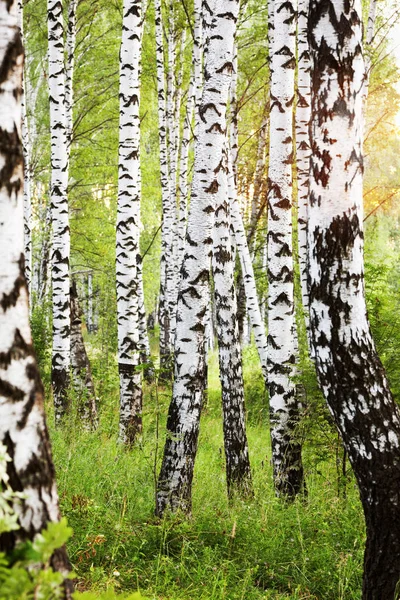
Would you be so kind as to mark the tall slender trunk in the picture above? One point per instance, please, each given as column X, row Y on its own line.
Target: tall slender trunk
column 259, row 185
column 144, row 344
column 168, row 211
column 69, row 72
column 233, row 128
column 197, row 61
column 22, row 421
column 349, row 370
column 26, row 147
column 175, row 479
column 284, row 405
column 303, row 151
column 43, row 266
column 128, row 225
column 369, row 39
column 59, row 208
column 249, row 281
column 82, row 373
column 238, row 472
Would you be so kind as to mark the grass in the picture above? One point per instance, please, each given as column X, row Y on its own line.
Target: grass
column 245, row 550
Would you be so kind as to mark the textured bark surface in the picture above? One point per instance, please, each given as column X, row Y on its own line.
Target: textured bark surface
column 303, row 150
column 82, row 373
column 249, row 282
column 284, row 405
column 349, row 370
column 175, row 479
column 69, row 72
column 22, row 422
column 168, row 211
column 128, row 225
column 61, row 359
column 238, row 472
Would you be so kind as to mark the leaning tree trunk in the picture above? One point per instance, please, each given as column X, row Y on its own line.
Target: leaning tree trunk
column 284, row 405
column 249, row 281
column 349, row 370
column 128, row 225
column 59, row 208
column 81, row 371
column 238, row 472
column 22, row 421
column 175, row 480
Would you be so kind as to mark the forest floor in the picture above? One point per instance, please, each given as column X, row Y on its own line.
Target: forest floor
column 259, row 548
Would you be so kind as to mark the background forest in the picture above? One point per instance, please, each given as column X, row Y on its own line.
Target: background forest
column 243, row 548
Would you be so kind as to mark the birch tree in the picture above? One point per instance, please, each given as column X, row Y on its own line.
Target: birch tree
column 82, row 373
column 168, row 211
column 303, row 150
column 238, row 472
column 22, row 421
column 59, row 209
column 284, row 406
column 175, row 479
column 350, row 373
column 128, row 224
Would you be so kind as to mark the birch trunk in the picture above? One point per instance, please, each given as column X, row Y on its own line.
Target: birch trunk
column 303, row 151
column 284, row 405
column 69, row 72
column 175, row 480
column 168, row 211
column 43, row 267
column 249, row 281
column 82, row 373
column 59, row 208
column 144, row 344
column 238, row 472
column 26, row 147
column 128, row 225
column 349, row 370
column 22, row 421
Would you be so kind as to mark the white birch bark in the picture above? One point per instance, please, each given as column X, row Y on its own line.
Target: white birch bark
column 144, row 344
column 168, row 211
column 303, row 151
column 175, row 480
column 22, row 421
column 249, row 281
column 197, row 60
column 82, row 374
column 44, row 259
column 349, row 370
column 26, row 146
column 284, row 406
column 183, row 171
column 369, row 39
column 238, row 472
column 59, row 206
column 89, row 324
column 128, row 225
column 69, row 72
column 233, row 128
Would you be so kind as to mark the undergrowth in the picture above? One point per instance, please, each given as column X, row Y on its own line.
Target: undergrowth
column 258, row 549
